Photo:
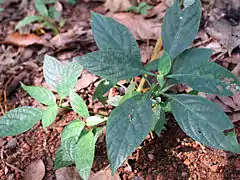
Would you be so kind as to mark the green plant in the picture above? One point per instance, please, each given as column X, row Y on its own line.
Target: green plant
column 137, row 113
column 141, row 8
column 48, row 15
column 1, row 2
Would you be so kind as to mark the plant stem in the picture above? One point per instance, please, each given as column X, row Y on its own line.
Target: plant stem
column 156, row 51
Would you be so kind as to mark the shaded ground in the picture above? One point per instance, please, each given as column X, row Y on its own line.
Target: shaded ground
column 172, row 156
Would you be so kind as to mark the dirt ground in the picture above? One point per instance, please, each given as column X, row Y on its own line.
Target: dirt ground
column 173, row 155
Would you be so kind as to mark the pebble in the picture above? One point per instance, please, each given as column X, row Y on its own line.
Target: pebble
column 1, row 172
column 12, row 143
column 149, row 177
column 151, row 157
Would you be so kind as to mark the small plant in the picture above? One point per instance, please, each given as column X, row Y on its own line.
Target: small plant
column 138, row 112
column 1, row 2
column 141, row 8
column 48, row 15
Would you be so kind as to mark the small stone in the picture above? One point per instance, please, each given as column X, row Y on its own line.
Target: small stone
column 184, row 174
column 1, row 172
column 12, row 143
column 151, row 157
column 214, row 168
column 187, row 162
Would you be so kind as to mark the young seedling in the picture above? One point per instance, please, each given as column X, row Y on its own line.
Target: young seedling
column 48, row 15
column 138, row 112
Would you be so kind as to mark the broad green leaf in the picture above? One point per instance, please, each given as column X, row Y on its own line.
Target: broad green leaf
column 161, row 80
column 49, row 115
column 41, row 7
column 110, row 34
column 112, row 65
column 187, row 3
column 102, row 88
column 153, row 65
column 69, row 147
column 180, row 27
column 61, row 159
column 19, row 120
column 70, row 136
column 94, row 120
column 158, row 119
column 41, row 94
column 69, row 77
column 61, row 77
column 84, row 155
column 204, row 121
column 53, row 13
column 52, row 70
column 78, row 104
column 28, row 20
column 193, row 69
column 127, row 126
column 73, row 129
column 165, row 63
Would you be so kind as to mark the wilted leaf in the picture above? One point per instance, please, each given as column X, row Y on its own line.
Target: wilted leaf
column 24, row 40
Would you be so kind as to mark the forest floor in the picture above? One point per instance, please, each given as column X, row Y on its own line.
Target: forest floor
column 173, row 155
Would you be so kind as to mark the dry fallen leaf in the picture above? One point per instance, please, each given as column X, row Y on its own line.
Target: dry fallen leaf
column 35, row 171
column 117, row 5
column 67, row 173
column 105, row 174
column 86, row 79
column 23, row 40
column 142, row 29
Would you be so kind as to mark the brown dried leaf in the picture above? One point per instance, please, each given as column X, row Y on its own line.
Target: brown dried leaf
column 104, row 174
column 24, row 40
column 67, row 173
column 117, row 5
column 142, row 29
column 35, row 170
column 86, row 79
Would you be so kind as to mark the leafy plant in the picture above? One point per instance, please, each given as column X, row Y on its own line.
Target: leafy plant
column 1, row 2
column 48, row 15
column 140, row 111
column 141, row 8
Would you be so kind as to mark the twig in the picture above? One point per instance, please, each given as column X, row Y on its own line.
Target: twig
column 156, row 51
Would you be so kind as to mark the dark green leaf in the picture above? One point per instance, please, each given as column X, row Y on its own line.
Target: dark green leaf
column 103, row 87
column 110, row 34
column 61, row 159
column 180, row 27
column 28, row 20
column 153, row 65
column 19, row 120
column 41, row 94
column 41, row 7
column 78, row 104
column 69, row 147
column 204, row 121
column 193, row 68
column 159, row 119
column 127, row 127
column 112, row 65
column 49, row 115
column 165, row 63
column 84, row 155
column 161, row 80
